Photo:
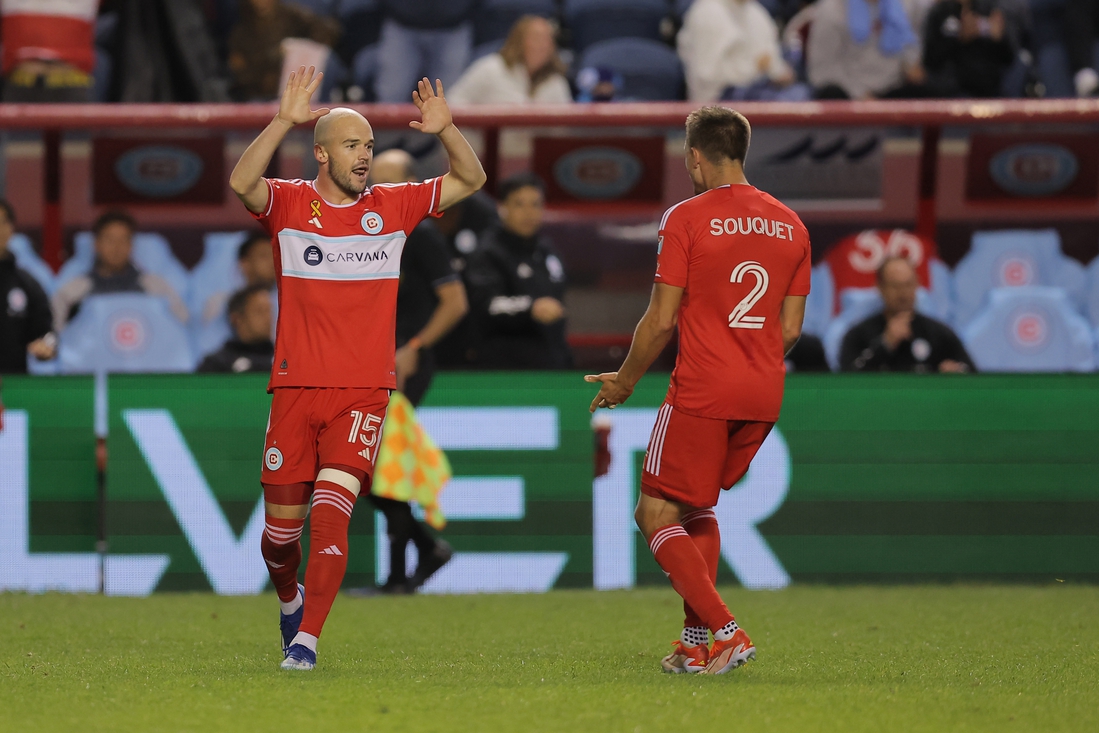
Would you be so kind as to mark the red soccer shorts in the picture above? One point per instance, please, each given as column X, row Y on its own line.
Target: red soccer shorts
column 311, row 428
column 691, row 459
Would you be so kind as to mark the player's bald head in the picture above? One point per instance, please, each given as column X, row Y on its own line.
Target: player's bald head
column 392, row 166
column 341, row 124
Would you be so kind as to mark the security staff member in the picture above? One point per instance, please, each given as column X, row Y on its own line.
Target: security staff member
column 517, row 285
column 899, row 339
column 25, row 317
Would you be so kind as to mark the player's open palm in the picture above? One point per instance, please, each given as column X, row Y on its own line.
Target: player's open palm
column 294, row 105
column 434, row 111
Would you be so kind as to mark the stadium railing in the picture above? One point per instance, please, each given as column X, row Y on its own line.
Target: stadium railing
column 930, row 117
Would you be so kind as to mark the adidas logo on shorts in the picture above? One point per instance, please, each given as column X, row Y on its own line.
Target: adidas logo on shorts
column 330, row 550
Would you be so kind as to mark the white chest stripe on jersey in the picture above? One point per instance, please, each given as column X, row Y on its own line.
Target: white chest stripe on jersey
column 313, row 256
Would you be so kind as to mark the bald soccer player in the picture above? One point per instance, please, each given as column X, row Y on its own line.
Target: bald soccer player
column 337, row 245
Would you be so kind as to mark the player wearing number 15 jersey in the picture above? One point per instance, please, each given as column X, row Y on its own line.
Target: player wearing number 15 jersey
column 733, row 269
column 337, row 246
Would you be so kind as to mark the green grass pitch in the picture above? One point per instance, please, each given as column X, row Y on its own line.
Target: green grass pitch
column 906, row 658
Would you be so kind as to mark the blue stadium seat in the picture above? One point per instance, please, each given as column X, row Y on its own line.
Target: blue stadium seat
column 1030, row 329
column 27, row 259
column 127, row 332
column 1093, row 292
column 495, row 18
column 818, row 306
column 152, row 254
column 1014, row 257
column 650, row 70
column 213, row 280
column 592, row 21
column 856, row 305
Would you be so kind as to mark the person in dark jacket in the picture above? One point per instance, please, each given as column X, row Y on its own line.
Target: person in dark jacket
column 967, row 48
column 463, row 225
column 251, row 348
column 25, row 317
column 517, row 285
column 899, row 339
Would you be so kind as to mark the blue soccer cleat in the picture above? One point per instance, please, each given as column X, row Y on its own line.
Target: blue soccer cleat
column 300, row 657
column 289, row 623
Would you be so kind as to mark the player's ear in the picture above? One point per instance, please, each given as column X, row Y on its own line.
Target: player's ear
column 319, row 153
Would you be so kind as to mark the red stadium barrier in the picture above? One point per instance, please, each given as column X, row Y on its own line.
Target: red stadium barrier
column 53, row 120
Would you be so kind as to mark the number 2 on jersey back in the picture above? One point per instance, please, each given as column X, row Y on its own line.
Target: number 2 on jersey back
column 739, row 318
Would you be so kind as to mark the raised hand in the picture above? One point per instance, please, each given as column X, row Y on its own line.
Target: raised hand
column 294, row 105
column 434, row 111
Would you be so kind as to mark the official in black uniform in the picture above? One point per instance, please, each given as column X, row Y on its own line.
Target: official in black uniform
column 463, row 225
column 517, row 286
column 25, row 317
column 430, row 301
column 899, row 339
column 251, row 348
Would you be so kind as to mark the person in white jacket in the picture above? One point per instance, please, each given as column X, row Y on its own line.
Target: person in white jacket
column 730, row 50
column 526, row 70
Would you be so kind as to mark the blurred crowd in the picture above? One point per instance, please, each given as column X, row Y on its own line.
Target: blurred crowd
column 550, row 51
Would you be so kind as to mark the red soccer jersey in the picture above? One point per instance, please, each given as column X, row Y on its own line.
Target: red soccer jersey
column 337, row 269
column 736, row 252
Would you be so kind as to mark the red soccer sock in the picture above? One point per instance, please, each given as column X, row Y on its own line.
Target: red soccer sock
column 281, row 550
column 702, row 527
column 331, row 513
column 676, row 553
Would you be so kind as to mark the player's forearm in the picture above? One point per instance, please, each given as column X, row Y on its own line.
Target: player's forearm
column 464, row 164
column 249, row 169
column 649, row 339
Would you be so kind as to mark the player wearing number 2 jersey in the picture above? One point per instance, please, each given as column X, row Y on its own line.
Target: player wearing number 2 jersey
column 733, row 269
column 337, row 246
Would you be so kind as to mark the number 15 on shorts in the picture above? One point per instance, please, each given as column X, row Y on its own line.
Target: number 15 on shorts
column 366, row 428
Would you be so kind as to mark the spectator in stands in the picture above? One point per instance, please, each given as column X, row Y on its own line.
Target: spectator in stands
column 899, row 339
column 967, row 48
column 526, row 69
column 112, row 272
column 1081, row 20
column 250, row 349
column 48, row 50
column 730, row 50
column 25, row 321
column 257, row 267
column 255, row 44
column 432, row 38
column 517, row 285
column 864, row 49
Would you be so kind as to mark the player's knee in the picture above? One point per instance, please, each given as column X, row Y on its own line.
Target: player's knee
column 286, row 511
column 340, row 478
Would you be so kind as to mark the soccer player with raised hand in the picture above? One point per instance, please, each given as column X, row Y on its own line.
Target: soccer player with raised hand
column 337, row 246
column 732, row 272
